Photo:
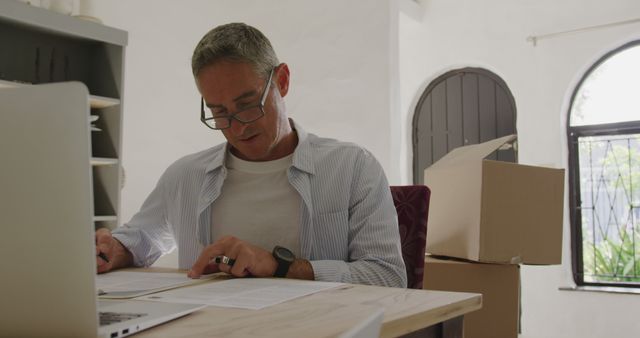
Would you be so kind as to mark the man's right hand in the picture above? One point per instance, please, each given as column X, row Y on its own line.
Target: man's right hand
column 107, row 246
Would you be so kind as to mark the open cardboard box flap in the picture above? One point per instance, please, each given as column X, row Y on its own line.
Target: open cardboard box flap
column 493, row 211
column 474, row 153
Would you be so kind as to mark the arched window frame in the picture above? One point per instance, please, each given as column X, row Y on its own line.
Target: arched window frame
column 574, row 133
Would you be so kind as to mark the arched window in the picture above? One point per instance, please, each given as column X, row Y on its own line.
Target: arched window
column 461, row 107
column 604, row 171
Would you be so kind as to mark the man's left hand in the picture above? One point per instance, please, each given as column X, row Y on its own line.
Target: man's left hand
column 248, row 259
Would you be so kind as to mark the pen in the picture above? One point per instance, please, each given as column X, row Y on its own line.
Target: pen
column 104, row 257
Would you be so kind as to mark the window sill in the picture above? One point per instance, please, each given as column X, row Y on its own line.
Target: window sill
column 605, row 289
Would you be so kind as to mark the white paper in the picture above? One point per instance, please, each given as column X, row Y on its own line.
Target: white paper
column 128, row 284
column 246, row 293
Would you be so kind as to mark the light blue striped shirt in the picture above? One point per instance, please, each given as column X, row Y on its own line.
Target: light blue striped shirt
column 348, row 224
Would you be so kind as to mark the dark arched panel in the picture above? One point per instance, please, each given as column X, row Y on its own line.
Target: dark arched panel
column 461, row 107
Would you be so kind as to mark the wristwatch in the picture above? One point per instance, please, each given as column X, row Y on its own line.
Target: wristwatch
column 284, row 257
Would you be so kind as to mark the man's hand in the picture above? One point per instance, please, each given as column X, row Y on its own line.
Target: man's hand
column 249, row 260
column 117, row 256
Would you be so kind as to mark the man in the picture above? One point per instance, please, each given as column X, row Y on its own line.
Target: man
column 323, row 206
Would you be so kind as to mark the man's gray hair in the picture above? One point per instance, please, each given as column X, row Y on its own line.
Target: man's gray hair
column 236, row 42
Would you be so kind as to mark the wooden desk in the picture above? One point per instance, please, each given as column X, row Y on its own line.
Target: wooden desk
column 331, row 312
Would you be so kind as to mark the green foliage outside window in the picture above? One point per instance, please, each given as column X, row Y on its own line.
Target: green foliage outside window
column 610, row 185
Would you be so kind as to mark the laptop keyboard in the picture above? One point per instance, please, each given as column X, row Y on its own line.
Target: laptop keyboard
column 107, row 318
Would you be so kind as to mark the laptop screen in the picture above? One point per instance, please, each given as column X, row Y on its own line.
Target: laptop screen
column 46, row 206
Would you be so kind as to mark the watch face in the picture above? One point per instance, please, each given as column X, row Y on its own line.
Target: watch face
column 285, row 254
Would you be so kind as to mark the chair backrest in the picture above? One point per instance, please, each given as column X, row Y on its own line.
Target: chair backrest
column 412, row 206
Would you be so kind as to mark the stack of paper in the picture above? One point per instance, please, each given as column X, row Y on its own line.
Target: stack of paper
column 129, row 284
column 245, row 293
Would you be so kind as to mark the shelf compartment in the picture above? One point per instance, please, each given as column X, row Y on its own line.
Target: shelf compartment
column 95, row 101
column 108, row 222
column 100, row 161
column 102, row 101
column 105, row 189
column 44, row 56
column 108, row 218
column 106, row 142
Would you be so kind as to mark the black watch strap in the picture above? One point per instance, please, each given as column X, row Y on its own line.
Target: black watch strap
column 284, row 257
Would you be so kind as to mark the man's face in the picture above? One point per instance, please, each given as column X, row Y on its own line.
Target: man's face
column 228, row 87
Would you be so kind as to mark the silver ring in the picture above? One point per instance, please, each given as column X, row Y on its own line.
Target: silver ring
column 224, row 260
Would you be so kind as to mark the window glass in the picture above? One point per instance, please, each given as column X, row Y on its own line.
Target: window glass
column 611, row 91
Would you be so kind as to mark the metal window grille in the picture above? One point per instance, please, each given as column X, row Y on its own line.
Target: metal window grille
column 606, row 204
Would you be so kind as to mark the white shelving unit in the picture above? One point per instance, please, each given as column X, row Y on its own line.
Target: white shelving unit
column 39, row 46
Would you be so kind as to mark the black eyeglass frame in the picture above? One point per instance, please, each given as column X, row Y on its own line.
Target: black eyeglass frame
column 263, row 100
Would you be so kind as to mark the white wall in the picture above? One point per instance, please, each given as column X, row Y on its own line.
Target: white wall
column 441, row 35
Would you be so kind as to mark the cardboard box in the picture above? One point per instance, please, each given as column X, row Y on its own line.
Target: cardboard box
column 499, row 285
column 492, row 211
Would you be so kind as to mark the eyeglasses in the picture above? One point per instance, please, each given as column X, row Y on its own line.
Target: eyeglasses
column 244, row 116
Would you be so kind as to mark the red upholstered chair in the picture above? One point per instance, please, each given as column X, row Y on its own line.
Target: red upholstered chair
column 412, row 206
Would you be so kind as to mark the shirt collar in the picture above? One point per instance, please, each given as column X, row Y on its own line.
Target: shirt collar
column 219, row 157
column 302, row 156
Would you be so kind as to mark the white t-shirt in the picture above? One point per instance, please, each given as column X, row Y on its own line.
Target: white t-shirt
column 258, row 205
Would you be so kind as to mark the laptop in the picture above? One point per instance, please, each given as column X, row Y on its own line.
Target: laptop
column 47, row 245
